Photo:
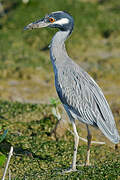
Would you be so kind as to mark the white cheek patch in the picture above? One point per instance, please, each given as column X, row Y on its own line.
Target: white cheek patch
column 62, row 21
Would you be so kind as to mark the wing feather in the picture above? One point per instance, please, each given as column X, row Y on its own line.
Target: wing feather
column 85, row 100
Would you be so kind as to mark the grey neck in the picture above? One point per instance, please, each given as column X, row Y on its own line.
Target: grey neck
column 58, row 52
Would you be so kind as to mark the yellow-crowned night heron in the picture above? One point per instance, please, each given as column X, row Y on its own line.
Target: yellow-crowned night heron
column 80, row 95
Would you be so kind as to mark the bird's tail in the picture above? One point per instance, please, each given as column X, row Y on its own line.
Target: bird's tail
column 109, row 131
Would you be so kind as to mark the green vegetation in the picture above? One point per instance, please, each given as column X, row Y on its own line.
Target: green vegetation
column 38, row 156
column 26, row 75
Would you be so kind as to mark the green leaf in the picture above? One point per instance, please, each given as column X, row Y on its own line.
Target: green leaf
column 2, row 159
column 54, row 102
column 2, row 137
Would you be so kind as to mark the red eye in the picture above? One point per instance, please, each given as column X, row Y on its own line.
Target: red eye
column 51, row 20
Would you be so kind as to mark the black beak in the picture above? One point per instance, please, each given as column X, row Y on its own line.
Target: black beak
column 38, row 24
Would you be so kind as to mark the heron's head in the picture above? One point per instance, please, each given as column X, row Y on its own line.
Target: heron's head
column 59, row 19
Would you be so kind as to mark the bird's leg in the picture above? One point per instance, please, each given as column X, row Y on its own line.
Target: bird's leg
column 89, row 138
column 54, row 129
column 76, row 141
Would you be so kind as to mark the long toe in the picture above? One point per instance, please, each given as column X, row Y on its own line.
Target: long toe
column 88, row 164
column 84, row 164
column 69, row 170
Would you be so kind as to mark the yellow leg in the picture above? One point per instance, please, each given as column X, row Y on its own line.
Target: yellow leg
column 89, row 138
column 76, row 141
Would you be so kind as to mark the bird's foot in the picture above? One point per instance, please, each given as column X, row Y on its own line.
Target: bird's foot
column 88, row 164
column 85, row 164
column 71, row 169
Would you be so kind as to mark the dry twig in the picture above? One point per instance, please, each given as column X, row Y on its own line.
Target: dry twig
column 8, row 160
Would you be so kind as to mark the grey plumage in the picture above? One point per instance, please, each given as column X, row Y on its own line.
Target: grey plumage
column 82, row 98
column 79, row 93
